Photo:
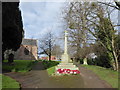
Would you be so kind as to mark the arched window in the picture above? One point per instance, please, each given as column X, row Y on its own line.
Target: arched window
column 26, row 51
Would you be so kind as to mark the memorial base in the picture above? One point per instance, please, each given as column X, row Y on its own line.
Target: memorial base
column 65, row 66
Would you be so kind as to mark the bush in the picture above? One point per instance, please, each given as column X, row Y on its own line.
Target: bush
column 103, row 61
column 48, row 64
column 81, row 61
column 91, row 61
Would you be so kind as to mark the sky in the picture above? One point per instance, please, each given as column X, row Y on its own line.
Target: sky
column 40, row 17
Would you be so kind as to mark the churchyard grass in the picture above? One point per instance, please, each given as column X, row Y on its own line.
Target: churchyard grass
column 0, row 81
column 51, row 70
column 50, row 66
column 110, row 76
column 19, row 66
column 9, row 83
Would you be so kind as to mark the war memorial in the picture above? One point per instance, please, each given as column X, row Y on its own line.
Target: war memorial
column 66, row 67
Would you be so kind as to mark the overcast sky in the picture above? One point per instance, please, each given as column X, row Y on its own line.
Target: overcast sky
column 39, row 17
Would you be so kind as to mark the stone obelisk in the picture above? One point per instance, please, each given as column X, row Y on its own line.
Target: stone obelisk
column 65, row 49
column 65, row 56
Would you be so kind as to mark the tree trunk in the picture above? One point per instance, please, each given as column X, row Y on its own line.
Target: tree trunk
column 116, row 60
column 10, row 58
column 49, row 57
column 114, row 56
column 3, row 54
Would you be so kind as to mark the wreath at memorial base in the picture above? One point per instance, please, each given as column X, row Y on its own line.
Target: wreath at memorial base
column 67, row 71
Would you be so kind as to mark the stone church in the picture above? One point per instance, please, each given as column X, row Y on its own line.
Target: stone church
column 27, row 51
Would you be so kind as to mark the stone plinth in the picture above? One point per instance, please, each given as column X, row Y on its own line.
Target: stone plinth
column 65, row 58
column 66, row 66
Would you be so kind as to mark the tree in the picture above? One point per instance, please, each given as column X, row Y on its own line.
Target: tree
column 46, row 44
column 105, row 35
column 76, row 24
column 57, row 51
column 115, row 4
column 102, row 56
column 12, row 27
column 93, row 19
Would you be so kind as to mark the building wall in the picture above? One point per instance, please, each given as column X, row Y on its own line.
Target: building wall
column 47, row 58
column 31, row 53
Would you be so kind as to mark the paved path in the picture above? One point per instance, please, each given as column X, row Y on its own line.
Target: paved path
column 91, row 80
column 38, row 78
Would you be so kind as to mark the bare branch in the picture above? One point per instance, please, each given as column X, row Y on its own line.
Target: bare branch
column 109, row 4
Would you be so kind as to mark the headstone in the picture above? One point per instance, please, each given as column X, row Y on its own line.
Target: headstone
column 65, row 62
column 85, row 61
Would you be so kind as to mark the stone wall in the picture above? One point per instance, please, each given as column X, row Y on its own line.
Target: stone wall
column 20, row 54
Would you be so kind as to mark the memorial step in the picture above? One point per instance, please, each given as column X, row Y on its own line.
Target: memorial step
column 71, row 68
column 65, row 64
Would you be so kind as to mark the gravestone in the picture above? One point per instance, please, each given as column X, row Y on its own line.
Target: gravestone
column 85, row 61
column 65, row 62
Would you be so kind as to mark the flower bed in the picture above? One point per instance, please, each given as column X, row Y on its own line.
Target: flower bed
column 67, row 71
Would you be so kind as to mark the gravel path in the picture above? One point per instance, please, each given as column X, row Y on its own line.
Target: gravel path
column 91, row 80
column 38, row 78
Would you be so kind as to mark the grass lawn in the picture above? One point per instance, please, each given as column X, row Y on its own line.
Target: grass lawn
column 51, row 70
column 8, row 82
column 50, row 66
column 19, row 66
column 108, row 75
column 0, row 81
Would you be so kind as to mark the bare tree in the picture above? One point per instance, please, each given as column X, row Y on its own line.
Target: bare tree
column 115, row 4
column 104, row 32
column 84, row 18
column 77, row 26
column 46, row 44
column 57, row 51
